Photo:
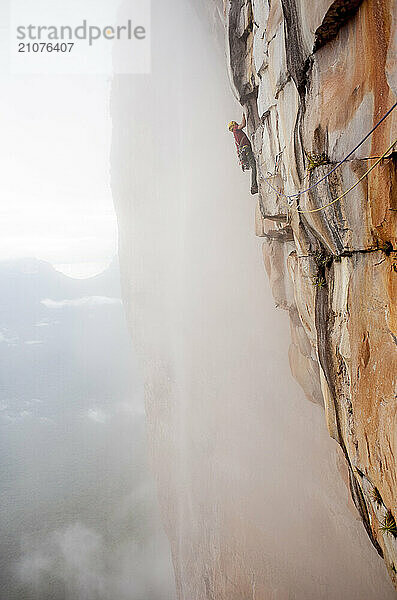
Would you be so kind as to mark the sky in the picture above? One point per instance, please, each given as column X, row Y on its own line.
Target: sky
column 56, row 200
column 54, row 151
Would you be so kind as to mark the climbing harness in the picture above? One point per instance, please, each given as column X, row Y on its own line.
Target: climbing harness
column 244, row 156
column 291, row 196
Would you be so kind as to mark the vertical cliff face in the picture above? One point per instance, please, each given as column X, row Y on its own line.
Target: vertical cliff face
column 314, row 78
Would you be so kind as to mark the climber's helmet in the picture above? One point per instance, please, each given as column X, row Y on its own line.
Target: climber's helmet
column 232, row 125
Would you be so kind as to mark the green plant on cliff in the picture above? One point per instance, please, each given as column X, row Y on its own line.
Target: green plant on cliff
column 376, row 497
column 319, row 281
column 315, row 160
column 323, row 260
column 388, row 525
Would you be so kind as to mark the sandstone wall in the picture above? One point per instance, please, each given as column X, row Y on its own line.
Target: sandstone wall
column 314, row 78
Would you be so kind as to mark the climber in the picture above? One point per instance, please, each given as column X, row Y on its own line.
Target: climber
column 244, row 151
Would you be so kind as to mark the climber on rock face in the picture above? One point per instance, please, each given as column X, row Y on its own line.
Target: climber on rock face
column 244, row 151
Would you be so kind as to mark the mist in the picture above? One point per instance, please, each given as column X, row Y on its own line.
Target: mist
column 78, row 513
column 253, row 493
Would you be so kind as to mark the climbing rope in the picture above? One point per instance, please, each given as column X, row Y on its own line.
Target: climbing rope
column 313, row 210
column 290, row 196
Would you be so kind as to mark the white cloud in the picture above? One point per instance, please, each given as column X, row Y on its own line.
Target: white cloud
column 97, row 415
column 33, row 342
column 16, row 409
column 24, row 413
column 47, row 420
column 11, row 416
column 75, row 554
column 6, row 338
column 85, row 270
column 77, row 302
column 88, row 566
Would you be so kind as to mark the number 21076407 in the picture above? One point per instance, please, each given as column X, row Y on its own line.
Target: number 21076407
column 45, row 47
